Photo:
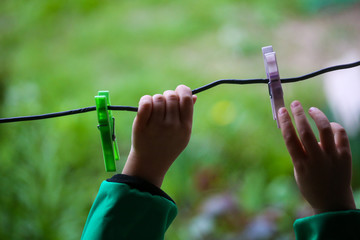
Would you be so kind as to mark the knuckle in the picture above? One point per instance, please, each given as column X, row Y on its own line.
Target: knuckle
column 298, row 112
column 305, row 134
column 146, row 104
column 158, row 98
column 285, row 121
column 342, row 131
column 184, row 87
column 170, row 126
column 286, row 125
column 145, row 99
column 324, row 126
column 338, row 128
column 171, row 95
column 343, row 140
column 187, row 99
column 288, row 137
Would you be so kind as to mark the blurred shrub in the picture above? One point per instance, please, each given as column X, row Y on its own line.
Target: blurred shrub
column 55, row 55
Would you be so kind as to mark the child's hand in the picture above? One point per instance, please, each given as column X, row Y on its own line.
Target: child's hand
column 322, row 170
column 161, row 131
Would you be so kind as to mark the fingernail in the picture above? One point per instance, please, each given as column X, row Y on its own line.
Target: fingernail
column 312, row 109
column 282, row 111
column 295, row 104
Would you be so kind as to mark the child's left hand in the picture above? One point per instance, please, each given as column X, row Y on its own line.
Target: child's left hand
column 322, row 170
column 161, row 131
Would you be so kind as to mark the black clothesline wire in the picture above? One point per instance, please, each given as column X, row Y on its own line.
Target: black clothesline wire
column 195, row 91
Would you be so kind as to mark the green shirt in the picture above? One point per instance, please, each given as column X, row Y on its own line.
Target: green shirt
column 122, row 212
column 341, row 225
column 130, row 208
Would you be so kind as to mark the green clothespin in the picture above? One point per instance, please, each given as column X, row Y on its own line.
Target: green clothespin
column 107, row 130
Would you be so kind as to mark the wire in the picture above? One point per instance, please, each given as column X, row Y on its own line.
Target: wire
column 283, row 80
column 229, row 81
column 195, row 91
column 48, row 115
column 319, row 72
column 65, row 113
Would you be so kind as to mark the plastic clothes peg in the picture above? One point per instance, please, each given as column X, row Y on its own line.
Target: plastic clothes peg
column 275, row 89
column 107, row 131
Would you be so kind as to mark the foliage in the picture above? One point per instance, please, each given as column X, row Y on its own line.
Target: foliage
column 55, row 55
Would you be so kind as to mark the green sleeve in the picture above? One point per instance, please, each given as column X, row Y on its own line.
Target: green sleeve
column 332, row 225
column 121, row 212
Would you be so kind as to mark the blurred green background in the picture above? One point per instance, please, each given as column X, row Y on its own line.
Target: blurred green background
column 234, row 180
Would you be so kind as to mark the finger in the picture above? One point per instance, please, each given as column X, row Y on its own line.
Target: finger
column 306, row 134
column 144, row 112
column 325, row 131
column 291, row 139
column 341, row 139
column 194, row 97
column 158, row 109
column 172, row 105
column 187, row 101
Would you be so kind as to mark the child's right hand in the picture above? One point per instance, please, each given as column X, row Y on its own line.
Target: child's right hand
column 161, row 131
column 322, row 170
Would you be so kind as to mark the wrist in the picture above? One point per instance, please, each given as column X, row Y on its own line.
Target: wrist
column 347, row 203
column 319, row 211
column 141, row 167
column 157, row 181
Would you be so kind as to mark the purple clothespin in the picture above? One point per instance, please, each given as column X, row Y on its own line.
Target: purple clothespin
column 275, row 89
